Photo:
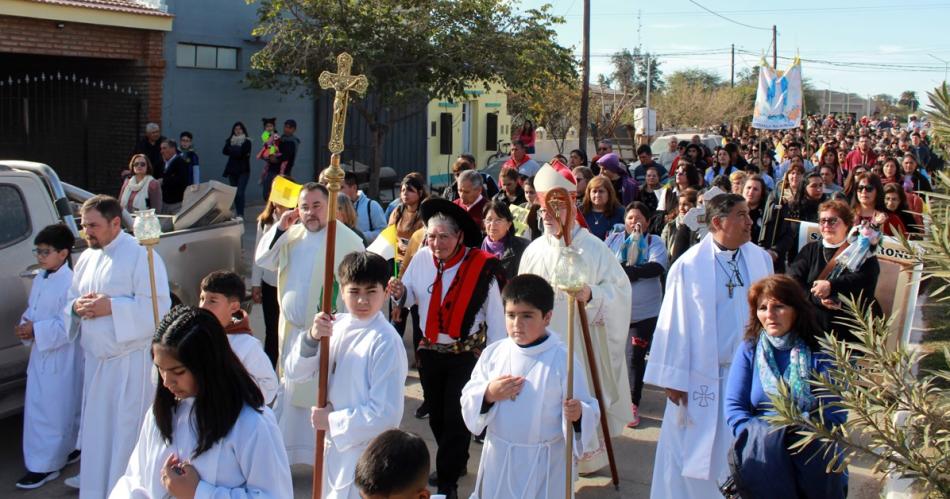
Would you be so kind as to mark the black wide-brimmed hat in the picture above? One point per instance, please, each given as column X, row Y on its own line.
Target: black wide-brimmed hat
column 433, row 206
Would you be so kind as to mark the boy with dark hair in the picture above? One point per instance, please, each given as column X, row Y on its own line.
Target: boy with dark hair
column 54, row 373
column 394, row 466
column 369, row 367
column 524, row 374
column 186, row 145
column 221, row 294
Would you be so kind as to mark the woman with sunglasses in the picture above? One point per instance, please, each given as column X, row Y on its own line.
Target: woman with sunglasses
column 869, row 205
column 814, row 263
column 141, row 191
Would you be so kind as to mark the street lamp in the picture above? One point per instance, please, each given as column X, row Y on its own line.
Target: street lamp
column 946, row 65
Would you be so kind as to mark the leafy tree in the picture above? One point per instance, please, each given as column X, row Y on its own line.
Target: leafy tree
column 411, row 50
column 908, row 99
column 554, row 106
column 696, row 77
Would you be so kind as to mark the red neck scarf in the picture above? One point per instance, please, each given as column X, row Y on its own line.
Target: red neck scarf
column 446, row 316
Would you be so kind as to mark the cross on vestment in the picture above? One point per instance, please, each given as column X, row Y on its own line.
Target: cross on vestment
column 342, row 82
column 704, row 396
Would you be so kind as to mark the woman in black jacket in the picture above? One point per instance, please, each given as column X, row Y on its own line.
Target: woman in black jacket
column 237, row 148
column 500, row 239
column 835, row 219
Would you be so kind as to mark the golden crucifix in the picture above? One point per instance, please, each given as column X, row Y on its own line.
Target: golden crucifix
column 343, row 83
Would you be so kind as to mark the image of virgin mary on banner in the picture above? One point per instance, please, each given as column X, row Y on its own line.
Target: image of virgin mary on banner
column 778, row 101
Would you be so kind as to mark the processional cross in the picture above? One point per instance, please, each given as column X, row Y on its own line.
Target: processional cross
column 342, row 82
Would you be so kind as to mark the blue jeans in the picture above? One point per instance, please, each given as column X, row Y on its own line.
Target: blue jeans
column 239, row 181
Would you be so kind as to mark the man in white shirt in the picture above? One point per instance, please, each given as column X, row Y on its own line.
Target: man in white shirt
column 456, row 287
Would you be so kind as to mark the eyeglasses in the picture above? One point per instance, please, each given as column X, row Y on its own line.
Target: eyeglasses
column 829, row 222
column 493, row 221
column 866, row 188
column 142, row 164
column 44, row 252
column 599, row 149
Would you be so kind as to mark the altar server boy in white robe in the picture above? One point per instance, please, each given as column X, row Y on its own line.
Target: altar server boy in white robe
column 518, row 391
column 208, row 433
column 54, row 374
column 221, row 294
column 368, row 368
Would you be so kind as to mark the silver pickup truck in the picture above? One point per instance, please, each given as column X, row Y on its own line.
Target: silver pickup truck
column 32, row 197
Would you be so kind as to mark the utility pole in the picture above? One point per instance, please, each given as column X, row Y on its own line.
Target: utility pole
column 732, row 78
column 649, row 76
column 946, row 66
column 774, row 48
column 585, row 77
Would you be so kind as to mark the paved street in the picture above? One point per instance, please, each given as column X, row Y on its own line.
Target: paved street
column 634, row 449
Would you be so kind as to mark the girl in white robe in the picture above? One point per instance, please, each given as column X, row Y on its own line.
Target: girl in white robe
column 238, row 452
column 54, row 374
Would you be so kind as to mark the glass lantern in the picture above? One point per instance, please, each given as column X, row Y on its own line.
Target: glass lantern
column 147, row 228
column 570, row 275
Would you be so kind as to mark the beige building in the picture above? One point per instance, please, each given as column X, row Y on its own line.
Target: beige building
column 474, row 125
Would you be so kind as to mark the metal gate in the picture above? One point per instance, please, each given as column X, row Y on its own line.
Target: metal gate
column 84, row 128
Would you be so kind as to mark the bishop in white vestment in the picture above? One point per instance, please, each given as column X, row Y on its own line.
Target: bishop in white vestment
column 608, row 309
column 298, row 256
column 700, row 326
column 368, row 368
column 119, row 384
column 523, row 453
column 53, row 377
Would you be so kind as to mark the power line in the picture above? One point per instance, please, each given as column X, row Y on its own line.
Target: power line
column 794, row 10
column 694, row 2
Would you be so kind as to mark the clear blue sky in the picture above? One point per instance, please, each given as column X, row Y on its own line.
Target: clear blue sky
column 877, row 32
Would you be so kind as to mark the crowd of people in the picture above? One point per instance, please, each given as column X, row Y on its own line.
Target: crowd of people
column 716, row 311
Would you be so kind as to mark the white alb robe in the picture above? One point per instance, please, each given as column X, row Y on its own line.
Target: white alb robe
column 368, row 368
column 698, row 330
column 298, row 256
column 249, row 462
column 118, row 383
column 53, row 377
column 250, row 352
column 608, row 312
column 523, row 453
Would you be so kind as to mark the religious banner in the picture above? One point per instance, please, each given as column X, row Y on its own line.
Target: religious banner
column 897, row 284
column 778, row 101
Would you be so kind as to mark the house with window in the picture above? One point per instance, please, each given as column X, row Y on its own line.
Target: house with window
column 478, row 124
column 79, row 79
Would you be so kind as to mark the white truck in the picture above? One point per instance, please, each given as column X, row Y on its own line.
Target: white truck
column 32, row 197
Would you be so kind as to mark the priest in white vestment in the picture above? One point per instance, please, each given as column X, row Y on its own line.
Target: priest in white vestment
column 700, row 326
column 607, row 298
column 110, row 311
column 297, row 252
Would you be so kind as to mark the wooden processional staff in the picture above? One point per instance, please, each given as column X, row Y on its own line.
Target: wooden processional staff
column 557, row 198
column 342, row 82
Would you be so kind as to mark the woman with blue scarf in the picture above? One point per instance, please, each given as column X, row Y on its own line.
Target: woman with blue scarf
column 645, row 260
column 779, row 347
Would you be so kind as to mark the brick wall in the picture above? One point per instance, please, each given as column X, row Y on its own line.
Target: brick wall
column 21, row 35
